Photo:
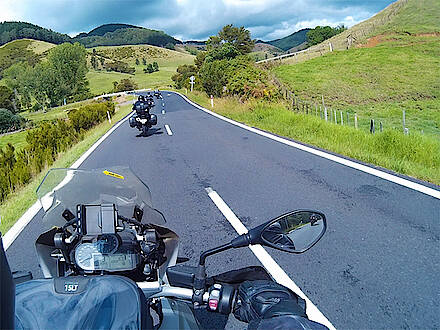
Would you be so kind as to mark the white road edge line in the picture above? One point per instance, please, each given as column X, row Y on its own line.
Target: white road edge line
column 18, row 227
column 168, row 130
column 364, row 168
column 267, row 261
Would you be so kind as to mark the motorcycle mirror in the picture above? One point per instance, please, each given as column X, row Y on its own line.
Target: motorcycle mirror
column 293, row 232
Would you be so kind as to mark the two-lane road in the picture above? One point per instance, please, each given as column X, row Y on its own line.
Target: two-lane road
column 376, row 267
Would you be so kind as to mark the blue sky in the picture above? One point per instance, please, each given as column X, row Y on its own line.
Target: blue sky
column 192, row 19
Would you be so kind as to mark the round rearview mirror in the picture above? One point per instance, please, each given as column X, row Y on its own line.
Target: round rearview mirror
column 295, row 231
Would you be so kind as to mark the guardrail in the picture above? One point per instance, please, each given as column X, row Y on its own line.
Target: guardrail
column 121, row 93
column 282, row 56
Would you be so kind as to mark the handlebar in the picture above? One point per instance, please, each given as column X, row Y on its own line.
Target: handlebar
column 218, row 298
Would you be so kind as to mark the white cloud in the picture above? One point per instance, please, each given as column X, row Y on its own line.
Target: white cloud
column 191, row 19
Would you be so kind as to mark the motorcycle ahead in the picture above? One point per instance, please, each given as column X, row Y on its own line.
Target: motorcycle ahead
column 143, row 120
column 110, row 262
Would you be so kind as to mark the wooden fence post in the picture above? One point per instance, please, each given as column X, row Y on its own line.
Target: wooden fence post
column 356, row 120
column 325, row 114
column 404, row 121
column 372, row 126
column 342, row 119
column 336, row 118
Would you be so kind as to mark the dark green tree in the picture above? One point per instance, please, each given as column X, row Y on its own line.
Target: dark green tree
column 6, row 98
column 239, row 37
column 155, row 66
column 321, row 33
column 181, row 78
column 144, row 61
column 69, row 63
column 137, row 61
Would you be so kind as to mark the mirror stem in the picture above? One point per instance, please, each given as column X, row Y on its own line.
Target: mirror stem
column 218, row 249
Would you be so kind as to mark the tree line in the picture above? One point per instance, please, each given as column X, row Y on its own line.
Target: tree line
column 226, row 68
column 321, row 33
column 10, row 31
column 45, row 143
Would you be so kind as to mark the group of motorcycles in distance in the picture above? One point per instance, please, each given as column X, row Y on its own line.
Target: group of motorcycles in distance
column 143, row 120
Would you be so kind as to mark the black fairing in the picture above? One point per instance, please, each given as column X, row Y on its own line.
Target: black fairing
column 78, row 302
column 7, row 292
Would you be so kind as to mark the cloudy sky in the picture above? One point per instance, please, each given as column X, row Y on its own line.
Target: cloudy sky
column 191, row 19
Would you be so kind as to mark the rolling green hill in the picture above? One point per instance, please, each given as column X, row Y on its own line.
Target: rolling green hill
column 10, row 31
column 24, row 50
column 128, row 36
column 102, row 81
column 103, row 29
column 291, row 41
column 104, row 35
column 395, row 67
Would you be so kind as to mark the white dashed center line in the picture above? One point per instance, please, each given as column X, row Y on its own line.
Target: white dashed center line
column 168, row 130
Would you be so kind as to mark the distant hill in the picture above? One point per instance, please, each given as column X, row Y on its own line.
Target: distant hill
column 10, row 31
column 103, row 29
column 104, row 35
column 291, row 41
column 125, row 36
column 24, row 50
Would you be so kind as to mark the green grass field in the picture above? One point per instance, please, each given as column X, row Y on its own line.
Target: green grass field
column 376, row 83
column 101, row 81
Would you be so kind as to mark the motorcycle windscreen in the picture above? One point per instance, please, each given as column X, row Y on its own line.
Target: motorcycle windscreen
column 64, row 189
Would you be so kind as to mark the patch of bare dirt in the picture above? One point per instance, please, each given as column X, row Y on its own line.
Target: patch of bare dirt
column 371, row 42
column 433, row 34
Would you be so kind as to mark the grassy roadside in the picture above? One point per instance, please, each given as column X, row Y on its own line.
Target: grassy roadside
column 18, row 202
column 399, row 73
column 414, row 155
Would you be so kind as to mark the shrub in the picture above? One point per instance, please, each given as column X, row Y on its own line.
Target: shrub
column 124, row 85
column 44, row 143
column 9, row 121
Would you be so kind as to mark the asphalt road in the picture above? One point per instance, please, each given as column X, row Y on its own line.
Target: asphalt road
column 377, row 266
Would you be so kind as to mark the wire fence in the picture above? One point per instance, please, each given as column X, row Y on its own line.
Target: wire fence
column 332, row 115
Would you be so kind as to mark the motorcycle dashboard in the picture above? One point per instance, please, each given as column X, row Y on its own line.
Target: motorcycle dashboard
column 104, row 255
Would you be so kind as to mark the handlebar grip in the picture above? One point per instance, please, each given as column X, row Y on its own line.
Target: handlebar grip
column 221, row 298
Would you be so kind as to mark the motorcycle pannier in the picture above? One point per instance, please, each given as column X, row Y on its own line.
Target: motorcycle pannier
column 132, row 121
column 153, row 119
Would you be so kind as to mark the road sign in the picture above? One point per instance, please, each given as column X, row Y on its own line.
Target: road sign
column 191, row 81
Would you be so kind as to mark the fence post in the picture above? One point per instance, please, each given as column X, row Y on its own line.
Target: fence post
column 356, row 120
column 372, row 126
column 342, row 119
column 336, row 118
column 325, row 114
column 404, row 121
column 347, row 117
